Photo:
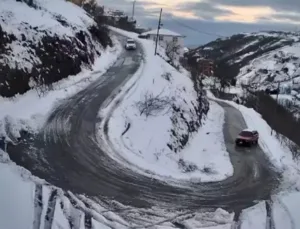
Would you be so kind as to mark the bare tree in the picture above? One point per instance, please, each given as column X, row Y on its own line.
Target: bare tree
column 41, row 88
column 152, row 105
column 172, row 50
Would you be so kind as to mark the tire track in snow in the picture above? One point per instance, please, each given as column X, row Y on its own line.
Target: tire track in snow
column 38, row 206
column 50, row 210
column 285, row 208
column 270, row 224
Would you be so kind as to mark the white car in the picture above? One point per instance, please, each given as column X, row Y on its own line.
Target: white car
column 130, row 44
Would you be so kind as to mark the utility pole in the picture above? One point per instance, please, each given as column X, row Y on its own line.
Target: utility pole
column 158, row 28
column 133, row 9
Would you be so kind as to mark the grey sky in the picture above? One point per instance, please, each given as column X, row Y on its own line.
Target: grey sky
column 224, row 17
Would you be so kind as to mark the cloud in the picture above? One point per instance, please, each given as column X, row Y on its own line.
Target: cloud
column 278, row 5
column 288, row 16
column 203, row 10
column 250, row 11
column 250, row 14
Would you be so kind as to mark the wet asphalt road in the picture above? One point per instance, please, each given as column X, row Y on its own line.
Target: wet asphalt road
column 66, row 154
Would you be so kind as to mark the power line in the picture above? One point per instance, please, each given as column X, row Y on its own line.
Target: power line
column 196, row 30
column 190, row 27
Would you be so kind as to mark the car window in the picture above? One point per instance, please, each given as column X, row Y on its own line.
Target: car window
column 246, row 134
column 130, row 42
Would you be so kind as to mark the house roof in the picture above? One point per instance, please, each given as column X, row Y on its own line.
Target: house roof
column 164, row 32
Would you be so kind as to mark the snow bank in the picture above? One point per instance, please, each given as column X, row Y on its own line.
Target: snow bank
column 207, row 148
column 286, row 210
column 254, row 217
column 26, row 202
column 16, row 197
column 220, row 219
column 164, row 144
column 283, row 213
column 15, row 113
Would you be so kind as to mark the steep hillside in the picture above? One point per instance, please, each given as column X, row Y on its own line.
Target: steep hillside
column 254, row 58
column 43, row 41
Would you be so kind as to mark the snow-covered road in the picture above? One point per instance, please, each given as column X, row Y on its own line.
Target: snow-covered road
column 66, row 154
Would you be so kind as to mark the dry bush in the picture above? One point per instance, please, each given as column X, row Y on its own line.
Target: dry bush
column 167, row 76
column 172, row 50
column 153, row 105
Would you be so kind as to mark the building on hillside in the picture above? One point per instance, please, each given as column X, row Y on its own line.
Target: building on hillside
column 113, row 15
column 167, row 38
column 119, row 19
column 206, row 67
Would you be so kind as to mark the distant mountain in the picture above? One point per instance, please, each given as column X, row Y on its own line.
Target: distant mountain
column 258, row 58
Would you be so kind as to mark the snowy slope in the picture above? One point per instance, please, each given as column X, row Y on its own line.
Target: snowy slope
column 279, row 65
column 261, row 58
column 44, row 43
column 178, row 141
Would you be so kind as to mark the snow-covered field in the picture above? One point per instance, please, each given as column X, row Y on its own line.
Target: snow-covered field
column 153, row 143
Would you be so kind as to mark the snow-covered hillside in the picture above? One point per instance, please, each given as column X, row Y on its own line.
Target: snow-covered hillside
column 261, row 58
column 279, row 65
column 160, row 125
column 44, row 42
